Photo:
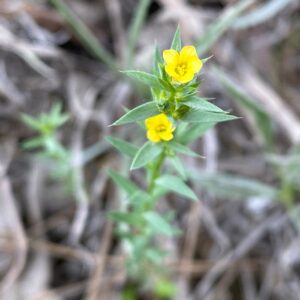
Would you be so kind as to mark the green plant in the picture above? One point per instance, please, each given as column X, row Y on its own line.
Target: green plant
column 47, row 142
column 175, row 117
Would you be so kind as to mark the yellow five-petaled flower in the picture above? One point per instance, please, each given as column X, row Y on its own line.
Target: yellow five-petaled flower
column 182, row 66
column 159, row 128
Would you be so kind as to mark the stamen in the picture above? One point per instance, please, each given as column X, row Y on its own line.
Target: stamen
column 160, row 128
column 181, row 69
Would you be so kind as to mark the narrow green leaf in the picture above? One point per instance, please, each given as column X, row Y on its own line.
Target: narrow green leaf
column 182, row 149
column 157, row 63
column 31, row 122
column 207, row 117
column 145, row 155
column 123, row 146
column 206, row 59
column 176, row 42
column 127, row 185
column 139, row 113
column 129, row 218
column 158, row 223
column 154, row 255
column 178, row 166
column 144, row 77
column 201, row 104
column 187, row 133
column 33, row 143
column 139, row 199
column 176, row 185
column 232, row 186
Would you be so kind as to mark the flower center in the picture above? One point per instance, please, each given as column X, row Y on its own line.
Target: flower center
column 181, row 69
column 160, row 128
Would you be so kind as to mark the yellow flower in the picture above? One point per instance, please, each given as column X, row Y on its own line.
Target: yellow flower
column 183, row 65
column 159, row 128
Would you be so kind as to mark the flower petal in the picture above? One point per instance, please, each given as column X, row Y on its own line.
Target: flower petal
column 188, row 76
column 153, row 136
column 151, row 121
column 170, row 70
column 196, row 64
column 166, row 135
column 170, row 56
column 164, row 119
column 188, row 52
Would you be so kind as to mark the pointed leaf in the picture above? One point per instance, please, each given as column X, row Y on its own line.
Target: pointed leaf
column 129, row 218
column 190, row 132
column 138, row 113
column 127, row 185
column 158, row 223
column 176, row 185
column 145, row 155
column 144, row 77
column 178, row 166
column 176, row 42
column 158, row 63
column 201, row 104
column 123, row 146
column 33, row 143
column 232, row 186
column 206, row 117
column 31, row 122
column 182, row 149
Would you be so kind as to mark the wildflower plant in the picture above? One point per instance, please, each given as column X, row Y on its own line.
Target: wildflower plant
column 46, row 125
column 174, row 117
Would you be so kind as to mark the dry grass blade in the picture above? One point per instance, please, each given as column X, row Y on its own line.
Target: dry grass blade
column 12, row 218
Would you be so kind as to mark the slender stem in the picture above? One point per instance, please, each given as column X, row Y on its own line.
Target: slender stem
column 155, row 172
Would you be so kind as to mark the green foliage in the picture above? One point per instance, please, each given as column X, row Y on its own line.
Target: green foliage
column 128, row 218
column 183, row 116
column 139, row 113
column 158, row 224
column 202, row 104
column 178, row 166
column 176, row 42
column 124, row 147
column 190, row 132
column 164, row 288
column 199, row 116
column 175, row 184
column 180, row 148
column 127, row 185
column 231, row 186
column 146, row 154
column 46, row 124
column 49, row 147
column 144, row 77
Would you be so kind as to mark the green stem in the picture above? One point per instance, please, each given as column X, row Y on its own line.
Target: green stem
column 156, row 172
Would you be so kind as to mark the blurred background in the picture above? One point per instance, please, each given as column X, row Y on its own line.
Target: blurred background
column 241, row 240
